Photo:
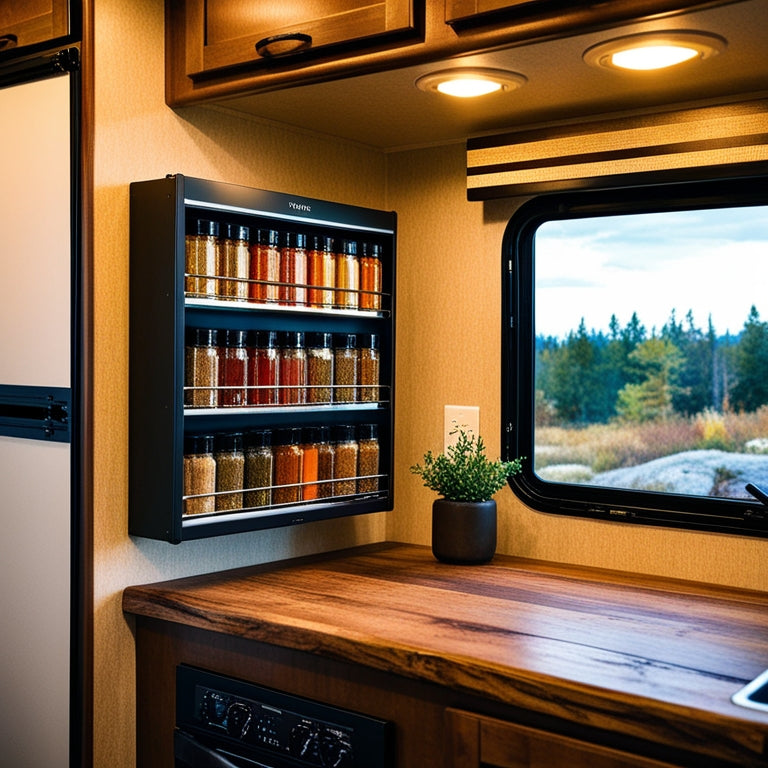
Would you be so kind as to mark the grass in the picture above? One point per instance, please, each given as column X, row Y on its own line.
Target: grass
column 613, row 446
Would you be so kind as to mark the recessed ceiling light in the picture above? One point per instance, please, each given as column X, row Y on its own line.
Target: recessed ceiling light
column 470, row 82
column 654, row 50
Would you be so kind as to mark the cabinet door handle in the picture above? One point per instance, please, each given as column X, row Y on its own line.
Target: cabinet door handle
column 283, row 45
column 8, row 41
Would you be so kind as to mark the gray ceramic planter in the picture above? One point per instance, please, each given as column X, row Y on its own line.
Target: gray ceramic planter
column 463, row 532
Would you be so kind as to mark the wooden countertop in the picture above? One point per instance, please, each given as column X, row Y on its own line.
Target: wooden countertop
column 651, row 658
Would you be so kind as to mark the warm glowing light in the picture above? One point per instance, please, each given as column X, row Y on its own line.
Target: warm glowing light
column 470, row 82
column 653, row 57
column 654, row 50
column 467, row 88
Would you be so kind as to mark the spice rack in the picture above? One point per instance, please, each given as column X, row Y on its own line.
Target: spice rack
column 172, row 301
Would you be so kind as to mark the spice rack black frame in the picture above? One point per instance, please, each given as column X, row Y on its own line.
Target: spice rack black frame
column 160, row 314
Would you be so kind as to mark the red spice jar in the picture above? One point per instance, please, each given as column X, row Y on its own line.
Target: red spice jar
column 370, row 276
column 321, row 272
column 293, row 269
column 293, row 368
column 309, row 464
column 233, row 369
column 264, row 269
column 263, row 368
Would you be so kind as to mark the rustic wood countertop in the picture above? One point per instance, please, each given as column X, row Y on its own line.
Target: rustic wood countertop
column 645, row 657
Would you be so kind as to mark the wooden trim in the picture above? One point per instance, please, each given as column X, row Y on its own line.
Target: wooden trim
column 611, row 153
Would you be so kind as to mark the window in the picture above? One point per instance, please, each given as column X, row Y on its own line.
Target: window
column 635, row 354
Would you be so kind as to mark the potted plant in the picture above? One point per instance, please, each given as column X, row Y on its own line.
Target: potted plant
column 464, row 518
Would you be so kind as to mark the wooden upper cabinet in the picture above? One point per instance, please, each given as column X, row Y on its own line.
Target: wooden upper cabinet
column 475, row 741
column 222, row 34
column 32, row 22
column 457, row 11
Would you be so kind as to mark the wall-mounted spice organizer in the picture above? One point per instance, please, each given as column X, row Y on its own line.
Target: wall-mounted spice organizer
column 261, row 359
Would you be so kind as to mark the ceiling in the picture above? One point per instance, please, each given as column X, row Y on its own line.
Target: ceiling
column 387, row 111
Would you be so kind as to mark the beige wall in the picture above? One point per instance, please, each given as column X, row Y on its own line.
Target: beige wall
column 449, row 340
column 447, row 334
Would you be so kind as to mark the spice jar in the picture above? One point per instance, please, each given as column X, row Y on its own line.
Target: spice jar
column 321, row 272
column 293, row 368
column 264, row 269
column 201, row 369
column 309, row 464
column 347, row 275
column 369, row 364
column 259, row 463
column 201, row 257
column 199, row 475
column 233, row 261
column 319, row 367
column 370, row 276
column 262, row 368
column 293, row 269
column 230, row 471
column 288, row 466
column 345, row 461
column 368, row 458
column 325, row 460
column 345, row 368
column 233, row 370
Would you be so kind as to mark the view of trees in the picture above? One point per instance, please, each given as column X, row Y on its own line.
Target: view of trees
column 632, row 375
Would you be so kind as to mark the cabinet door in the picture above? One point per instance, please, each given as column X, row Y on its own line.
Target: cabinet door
column 475, row 741
column 226, row 33
column 461, row 10
column 33, row 21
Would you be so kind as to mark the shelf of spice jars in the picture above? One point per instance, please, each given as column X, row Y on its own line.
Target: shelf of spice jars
column 213, row 259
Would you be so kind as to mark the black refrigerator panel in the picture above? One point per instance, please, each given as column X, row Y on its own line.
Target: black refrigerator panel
column 172, row 307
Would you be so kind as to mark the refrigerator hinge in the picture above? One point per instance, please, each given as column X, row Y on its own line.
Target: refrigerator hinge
column 35, row 413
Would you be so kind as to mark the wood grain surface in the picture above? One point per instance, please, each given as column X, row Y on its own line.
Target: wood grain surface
column 648, row 658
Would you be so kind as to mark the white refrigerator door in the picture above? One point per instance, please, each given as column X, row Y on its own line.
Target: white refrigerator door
column 35, row 539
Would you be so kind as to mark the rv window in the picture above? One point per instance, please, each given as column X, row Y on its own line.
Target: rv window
column 635, row 347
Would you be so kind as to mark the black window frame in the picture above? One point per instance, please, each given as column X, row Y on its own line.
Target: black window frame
column 749, row 518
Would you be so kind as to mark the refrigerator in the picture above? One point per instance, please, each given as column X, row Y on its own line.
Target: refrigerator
column 40, row 605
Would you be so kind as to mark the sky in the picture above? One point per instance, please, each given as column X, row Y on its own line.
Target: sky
column 712, row 262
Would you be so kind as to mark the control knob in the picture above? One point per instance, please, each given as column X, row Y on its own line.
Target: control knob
column 238, row 719
column 335, row 751
column 304, row 741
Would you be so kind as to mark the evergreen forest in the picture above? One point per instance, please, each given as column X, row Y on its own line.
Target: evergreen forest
column 632, row 376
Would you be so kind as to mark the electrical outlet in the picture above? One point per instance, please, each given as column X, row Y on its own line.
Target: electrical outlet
column 465, row 416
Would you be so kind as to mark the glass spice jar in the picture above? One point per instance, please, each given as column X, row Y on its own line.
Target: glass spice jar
column 370, row 276
column 288, row 466
column 201, row 259
column 345, row 368
column 263, row 368
column 309, row 464
column 230, row 471
column 233, row 370
column 345, row 461
column 321, row 272
column 264, row 269
column 325, row 461
column 201, row 369
column 293, row 368
column 233, row 260
column 293, row 269
column 368, row 458
column 259, row 466
column 347, row 275
column 369, row 365
column 319, row 367
column 199, row 475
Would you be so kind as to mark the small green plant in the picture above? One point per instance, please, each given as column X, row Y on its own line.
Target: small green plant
column 464, row 472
